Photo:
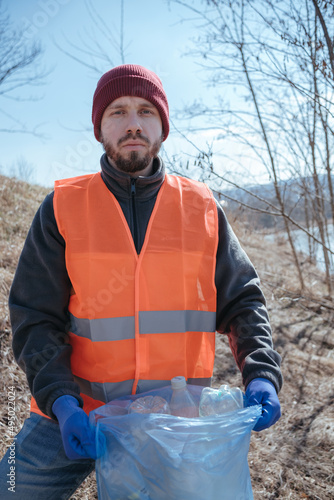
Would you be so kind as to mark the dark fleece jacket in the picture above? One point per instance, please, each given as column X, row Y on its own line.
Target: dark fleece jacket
column 41, row 288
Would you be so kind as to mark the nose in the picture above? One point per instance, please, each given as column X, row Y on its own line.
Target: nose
column 134, row 126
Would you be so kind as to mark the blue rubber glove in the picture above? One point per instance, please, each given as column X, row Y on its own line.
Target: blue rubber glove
column 77, row 435
column 261, row 391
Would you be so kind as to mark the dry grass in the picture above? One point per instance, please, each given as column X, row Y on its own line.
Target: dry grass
column 295, row 458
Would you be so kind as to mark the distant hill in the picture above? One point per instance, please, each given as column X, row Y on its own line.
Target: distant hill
column 292, row 191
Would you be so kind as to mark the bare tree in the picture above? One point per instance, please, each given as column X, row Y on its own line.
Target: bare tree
column 24, row 170
column 270, row 57
column 19, row 67
column 323, row 23
column 104, row 51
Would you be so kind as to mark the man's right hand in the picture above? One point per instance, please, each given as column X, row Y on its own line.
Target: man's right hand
column 77, row 435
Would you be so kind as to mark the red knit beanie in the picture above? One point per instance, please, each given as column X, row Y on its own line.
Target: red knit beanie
column 129, row 80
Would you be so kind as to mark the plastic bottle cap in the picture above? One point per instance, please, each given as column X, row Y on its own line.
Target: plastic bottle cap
column 178, row 382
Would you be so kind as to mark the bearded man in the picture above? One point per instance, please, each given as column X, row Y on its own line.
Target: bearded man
column 124, row 278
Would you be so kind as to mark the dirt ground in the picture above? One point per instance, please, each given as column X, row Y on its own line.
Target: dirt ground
column 292, row 460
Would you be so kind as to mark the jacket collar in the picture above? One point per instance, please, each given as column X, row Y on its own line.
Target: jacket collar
column 119, row 183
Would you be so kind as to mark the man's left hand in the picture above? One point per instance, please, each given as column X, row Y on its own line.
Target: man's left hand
column 261, row 391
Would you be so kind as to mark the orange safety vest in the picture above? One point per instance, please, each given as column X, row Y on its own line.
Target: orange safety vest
column 138, row 320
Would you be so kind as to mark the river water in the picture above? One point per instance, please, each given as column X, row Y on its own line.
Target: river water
column 301, row 242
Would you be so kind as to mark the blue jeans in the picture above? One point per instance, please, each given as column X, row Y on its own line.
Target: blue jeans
column 35, row 465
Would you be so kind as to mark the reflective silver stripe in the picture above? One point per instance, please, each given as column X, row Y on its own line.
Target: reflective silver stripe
column 104, row 391
column 111, row 390
column 206, row 382
column 123, row 328
column 176, row 321
column 102, row 329
column 149, row 385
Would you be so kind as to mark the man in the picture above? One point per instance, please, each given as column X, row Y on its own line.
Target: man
column 123, row 280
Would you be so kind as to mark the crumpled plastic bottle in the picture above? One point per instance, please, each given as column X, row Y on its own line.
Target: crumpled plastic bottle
column 220, row 401
column 150, row 404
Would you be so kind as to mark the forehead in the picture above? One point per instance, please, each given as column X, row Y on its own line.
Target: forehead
column 130, row 101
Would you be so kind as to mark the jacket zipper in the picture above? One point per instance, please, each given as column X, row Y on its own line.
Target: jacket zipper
column 134, row 213
column 135, row 237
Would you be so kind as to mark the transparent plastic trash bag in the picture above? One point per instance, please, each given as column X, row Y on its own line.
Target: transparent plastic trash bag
column 164, row 457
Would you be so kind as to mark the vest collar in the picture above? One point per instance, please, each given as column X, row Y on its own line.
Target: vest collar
column 119, row 183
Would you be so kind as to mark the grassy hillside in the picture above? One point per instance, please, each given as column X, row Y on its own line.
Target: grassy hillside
column 292, row 460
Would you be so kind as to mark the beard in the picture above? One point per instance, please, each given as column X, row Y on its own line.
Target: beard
column 135, row 161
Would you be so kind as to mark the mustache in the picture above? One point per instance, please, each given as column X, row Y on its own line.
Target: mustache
column 134, row 137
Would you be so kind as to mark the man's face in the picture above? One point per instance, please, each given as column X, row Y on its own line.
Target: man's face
column 131, row 134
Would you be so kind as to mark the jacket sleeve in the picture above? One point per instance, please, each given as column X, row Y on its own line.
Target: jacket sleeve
column 38, row 303
column 241, row 310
